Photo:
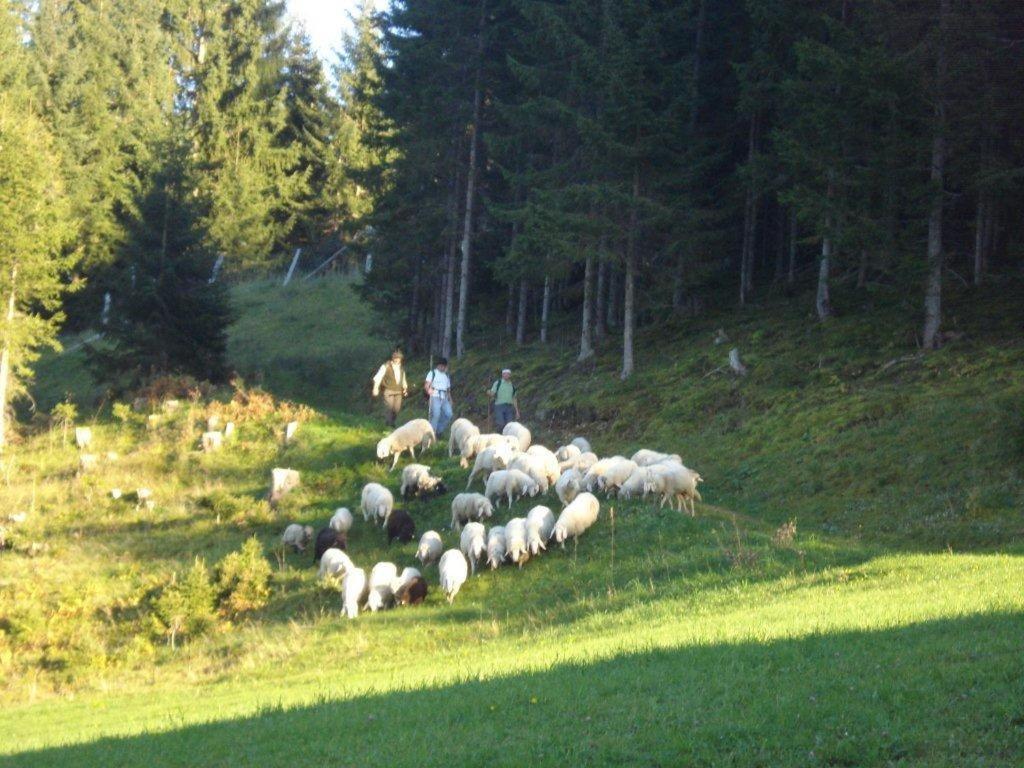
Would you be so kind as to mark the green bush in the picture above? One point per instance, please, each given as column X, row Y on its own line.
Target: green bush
column 186, row 607
column 243, row 579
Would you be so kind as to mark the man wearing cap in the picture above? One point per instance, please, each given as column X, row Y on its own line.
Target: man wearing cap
column 506, row 404
column 391, row 378
column 438, row 387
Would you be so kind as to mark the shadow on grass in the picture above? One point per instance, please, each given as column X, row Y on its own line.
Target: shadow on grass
column 946, row 692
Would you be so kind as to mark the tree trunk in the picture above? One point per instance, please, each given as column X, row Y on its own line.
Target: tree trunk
column 510, row 311
column 791, row 273
column 931, row 338
column 613, row 298
column 780, row 244
column 698, row 47
column 862, row 268
column 545, row 310
column 467, row 229
column 414, row 308
column 524, row 297
column 450, row 262
column 629, row 297
column 982, row 233
column 749, row 218
column 821, row 302
column 601, row 325
column 586, row 346
column 5, row 361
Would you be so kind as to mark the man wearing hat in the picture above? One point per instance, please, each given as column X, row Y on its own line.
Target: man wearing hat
column 506, row 404
column 391, row 378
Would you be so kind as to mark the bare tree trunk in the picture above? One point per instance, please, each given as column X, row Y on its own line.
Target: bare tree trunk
column 931, row 338
column 5, row 361
column 545, row 310
column 629, row 298
column 586, row 345
column 822, row 303
column 450, row 262
column 613, row 297
column 467, row 229
column 524, row 297
column 791, row 273
column 600, row 324
column 749, row 218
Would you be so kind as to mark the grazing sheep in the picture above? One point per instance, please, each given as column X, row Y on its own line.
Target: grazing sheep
column 407, row 575
column 354, row 591
column 576, row 518
column 534, row 467
column 409, row 436
column 496, row 548
column 488, row 460
column 473, row 544
column 511, row 484
column 675, row 484
column 515, row 541
column 645, row 457
column 326, row 538
column 83, row 436
column 341, row 520
column 334, row 562
column 461, row 431
column 413, row 592
column 539, row 522
column 382, row 596
column 582, row 443
column 474, row 446
column 430, row 548
column 635, row 486
column 453, row 571
column 297, row 536
column 586, row 461
column 417, row 481
column 376, row 503
column 568, row 485
column 550, row 462
column 608, row 474
column 568, row 453
column 520, row 433
column 470, row 506
column 400, row 526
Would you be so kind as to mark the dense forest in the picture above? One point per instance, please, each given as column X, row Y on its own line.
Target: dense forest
column 498, row 158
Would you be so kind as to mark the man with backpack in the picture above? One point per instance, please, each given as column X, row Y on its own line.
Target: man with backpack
column 438, row 389
column 391, row 378
column 506, row 404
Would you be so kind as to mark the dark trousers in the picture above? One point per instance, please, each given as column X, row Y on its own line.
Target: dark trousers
column 503, row 414
column 393, row 404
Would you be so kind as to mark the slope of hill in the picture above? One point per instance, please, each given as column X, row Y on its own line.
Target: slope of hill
column 728, row 639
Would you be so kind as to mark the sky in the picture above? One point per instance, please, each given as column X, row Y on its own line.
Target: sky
column 324, row 21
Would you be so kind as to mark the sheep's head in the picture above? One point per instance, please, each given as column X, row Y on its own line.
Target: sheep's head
column 383, row 447
column 559, row 533
column 484, row 509
column 375, row 601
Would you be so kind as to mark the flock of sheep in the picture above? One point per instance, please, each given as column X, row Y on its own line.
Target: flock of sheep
column 511, row 468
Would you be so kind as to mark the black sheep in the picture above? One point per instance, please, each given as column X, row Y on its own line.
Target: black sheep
column 413, row 592
column 326, row 539
column 400, row 526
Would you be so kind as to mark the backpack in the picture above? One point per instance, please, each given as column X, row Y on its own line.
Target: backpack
column 432, row 372
column 497, row 384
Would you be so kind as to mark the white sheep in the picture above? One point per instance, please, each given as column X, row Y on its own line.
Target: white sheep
column 520, row 432
column 608, row 474
column 539, row 522
column 341, row 520
column 334, row 562
column 534, row 467
column 473, row 544
column 496, row 547
column 510, row 484
column 407, row 575
column 470, row 506
column 381, row 595
column 354, row 591
column 297, row 536
column 636, row 484
column 430, row 548
column 416, row 480
column 515, row 541
column 549, row 461
column 489, row 459
column 568, row 454
column 473, row 446
column 576, row 518
column 409, row 436
column 645, row 457
column 376, row 503
column 461, row 431
column 582, row 443
column 569, row 485
column 675, row 484
column 586, row 461
column 454, row 570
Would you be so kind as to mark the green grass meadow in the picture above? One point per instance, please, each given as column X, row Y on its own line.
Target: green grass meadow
column 885, row 628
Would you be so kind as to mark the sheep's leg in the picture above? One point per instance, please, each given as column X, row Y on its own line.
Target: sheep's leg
column 395, row 462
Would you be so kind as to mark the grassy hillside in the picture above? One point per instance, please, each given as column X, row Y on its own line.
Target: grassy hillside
column 860, row 639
